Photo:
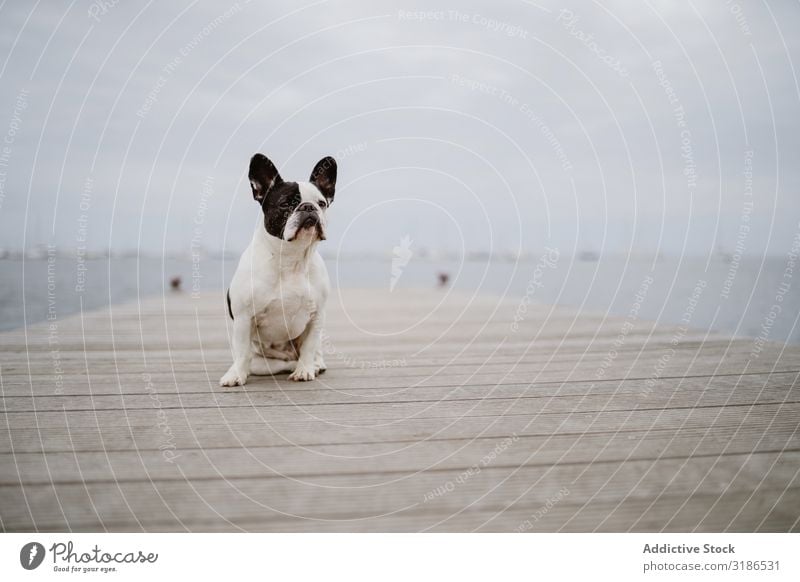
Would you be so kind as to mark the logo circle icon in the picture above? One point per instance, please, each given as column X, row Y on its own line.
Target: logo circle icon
column 31, row 555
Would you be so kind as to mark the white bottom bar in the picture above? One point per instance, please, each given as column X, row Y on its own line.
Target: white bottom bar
column 388, row 557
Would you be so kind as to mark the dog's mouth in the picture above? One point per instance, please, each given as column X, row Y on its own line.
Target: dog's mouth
column 308, row 221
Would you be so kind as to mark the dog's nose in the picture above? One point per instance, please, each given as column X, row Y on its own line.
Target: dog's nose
column 306, row 207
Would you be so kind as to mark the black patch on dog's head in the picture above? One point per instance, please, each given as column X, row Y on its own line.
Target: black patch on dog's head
column 277, row 198
column 263, row 176
column 278, row 206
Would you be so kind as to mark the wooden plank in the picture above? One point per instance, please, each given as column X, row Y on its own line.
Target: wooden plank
column 183, row 436
column 712, row 390
column 208, row 459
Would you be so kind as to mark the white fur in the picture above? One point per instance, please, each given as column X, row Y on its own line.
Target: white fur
column 278, row 295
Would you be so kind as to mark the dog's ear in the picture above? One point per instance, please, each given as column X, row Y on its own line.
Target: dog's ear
column 323, row 176
column 263, row 176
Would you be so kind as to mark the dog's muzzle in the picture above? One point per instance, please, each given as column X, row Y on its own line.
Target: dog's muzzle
column 306, row 217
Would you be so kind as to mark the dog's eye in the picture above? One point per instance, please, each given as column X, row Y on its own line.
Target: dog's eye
column 323, row 204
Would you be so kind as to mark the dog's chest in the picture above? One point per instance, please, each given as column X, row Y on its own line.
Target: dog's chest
column 286, row 315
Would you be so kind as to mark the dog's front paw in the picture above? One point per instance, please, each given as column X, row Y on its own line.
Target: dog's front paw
column 302, row 374
column 233, row 377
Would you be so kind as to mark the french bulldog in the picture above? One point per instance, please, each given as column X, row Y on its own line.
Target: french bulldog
column 278, row 293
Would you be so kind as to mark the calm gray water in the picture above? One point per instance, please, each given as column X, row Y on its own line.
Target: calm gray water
column 749, row 299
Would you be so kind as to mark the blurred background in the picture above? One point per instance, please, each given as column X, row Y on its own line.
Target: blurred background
column 573, row 153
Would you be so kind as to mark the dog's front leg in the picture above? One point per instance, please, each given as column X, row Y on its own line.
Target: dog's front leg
column 242, row 352
column 306, row 363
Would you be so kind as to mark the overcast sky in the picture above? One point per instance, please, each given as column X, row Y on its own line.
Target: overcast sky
column 474, row 126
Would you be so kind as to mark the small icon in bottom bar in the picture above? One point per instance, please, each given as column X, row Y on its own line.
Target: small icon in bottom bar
column 31, row 555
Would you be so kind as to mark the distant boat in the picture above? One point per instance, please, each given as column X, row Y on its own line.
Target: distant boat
column 36, row 253
column 588, row 256
column 479, row 256
column 723, row 256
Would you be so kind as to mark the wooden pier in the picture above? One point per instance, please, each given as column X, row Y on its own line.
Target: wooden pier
column 439, row 412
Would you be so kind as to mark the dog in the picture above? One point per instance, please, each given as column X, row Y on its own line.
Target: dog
column 278, row 293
